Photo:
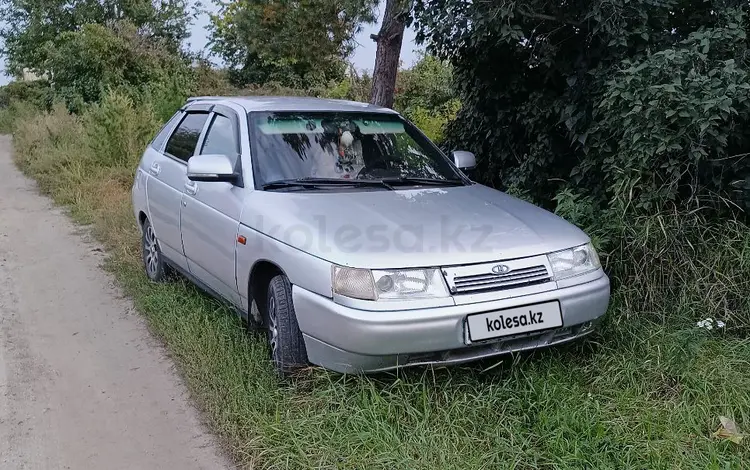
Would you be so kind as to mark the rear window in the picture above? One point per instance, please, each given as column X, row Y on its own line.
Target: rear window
column 161, row 137
column 185, row 137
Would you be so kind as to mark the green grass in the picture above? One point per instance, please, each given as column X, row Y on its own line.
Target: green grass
column 645, row 392
column 636, row 396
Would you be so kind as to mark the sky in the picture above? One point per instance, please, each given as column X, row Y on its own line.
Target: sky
column 364, row 55
column 363, row 58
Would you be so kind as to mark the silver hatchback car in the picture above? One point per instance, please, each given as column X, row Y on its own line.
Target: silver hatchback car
column 353, row 240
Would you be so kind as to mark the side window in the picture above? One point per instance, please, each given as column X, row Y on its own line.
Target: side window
column 161, row 137
column 182, row 143
column 221, row 139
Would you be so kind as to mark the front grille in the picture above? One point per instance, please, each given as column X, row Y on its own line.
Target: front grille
column 512, row 279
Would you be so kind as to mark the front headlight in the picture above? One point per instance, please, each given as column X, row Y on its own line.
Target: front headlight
column 391, row 284
column 574, row 261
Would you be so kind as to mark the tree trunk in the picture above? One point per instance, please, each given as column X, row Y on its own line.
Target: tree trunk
column 389, row 41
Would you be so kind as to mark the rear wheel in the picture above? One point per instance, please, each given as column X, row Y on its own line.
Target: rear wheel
column 153, row 262
column 287, row 345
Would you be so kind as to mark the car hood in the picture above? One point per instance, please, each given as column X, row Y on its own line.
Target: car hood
column 410, row 227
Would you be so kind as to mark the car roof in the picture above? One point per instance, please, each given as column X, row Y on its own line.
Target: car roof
column 292, row 103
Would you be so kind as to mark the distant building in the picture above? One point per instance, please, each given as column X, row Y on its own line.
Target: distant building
column 29, row 76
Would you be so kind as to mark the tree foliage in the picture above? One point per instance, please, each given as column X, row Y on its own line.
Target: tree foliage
column 83, row 64
column 32, row 26
column 425, row 95
column 294, row 43
column 427, row 84
column 35, row 93
column 634, row 104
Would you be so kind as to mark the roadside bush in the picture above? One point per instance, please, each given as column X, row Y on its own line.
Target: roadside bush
column 637, row 104
column 353, row 87
column 87, row 62
column 428, row 84
column 210, row 81
column 164, row 97
column 51, row 145
column 63, row 150
column 20, row 99
column 118, row 130
column 425, row 95
column 671, row 127
column 433, row 121
column 15, row 111
column 36, row 93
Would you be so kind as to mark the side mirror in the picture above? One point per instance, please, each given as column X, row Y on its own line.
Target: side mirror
column 464, row 160
column 210, row 168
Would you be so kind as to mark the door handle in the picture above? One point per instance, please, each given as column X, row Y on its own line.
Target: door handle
column 155, row 169
column 191, row 188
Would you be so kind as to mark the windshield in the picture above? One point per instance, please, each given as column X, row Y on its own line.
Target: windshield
column 346, row 146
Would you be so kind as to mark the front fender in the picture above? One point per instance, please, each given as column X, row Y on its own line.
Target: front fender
column 302, row 269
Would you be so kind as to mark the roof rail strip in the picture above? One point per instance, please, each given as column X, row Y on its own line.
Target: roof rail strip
column 202, row 98
column 195, row 103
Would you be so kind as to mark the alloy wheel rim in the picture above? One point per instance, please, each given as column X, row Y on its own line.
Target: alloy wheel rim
column 152, row 252
column 273, row 332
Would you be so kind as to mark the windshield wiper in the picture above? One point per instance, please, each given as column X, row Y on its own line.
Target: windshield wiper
column 423, row 181
column 313, row 183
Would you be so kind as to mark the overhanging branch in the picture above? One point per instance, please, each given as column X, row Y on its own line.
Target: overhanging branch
column 545, row 17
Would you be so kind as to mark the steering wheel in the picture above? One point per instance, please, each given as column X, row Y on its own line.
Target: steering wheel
column 371, row 170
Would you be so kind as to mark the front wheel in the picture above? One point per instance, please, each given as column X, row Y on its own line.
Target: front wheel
column 287, row 345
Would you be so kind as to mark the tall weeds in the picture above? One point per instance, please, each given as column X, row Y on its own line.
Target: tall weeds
column 14, row 112
column 676, row 266
column 118, row 130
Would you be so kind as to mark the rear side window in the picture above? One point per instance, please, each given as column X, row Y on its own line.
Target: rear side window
column 184, row 139
column 221, row 138
column 161, row 137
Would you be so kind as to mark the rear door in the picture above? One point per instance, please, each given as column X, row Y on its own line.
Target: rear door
column 211, row 211
column 166, row 183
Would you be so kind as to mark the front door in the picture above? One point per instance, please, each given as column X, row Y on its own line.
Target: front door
column 211, row 212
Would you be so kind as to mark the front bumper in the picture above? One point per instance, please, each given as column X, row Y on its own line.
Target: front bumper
column 349, row 340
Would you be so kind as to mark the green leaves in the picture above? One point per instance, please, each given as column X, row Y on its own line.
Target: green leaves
column 425, row 95
column 671, row 144
column 635, row 104
column 87, row 62
column 293, row 43
column 32, row 27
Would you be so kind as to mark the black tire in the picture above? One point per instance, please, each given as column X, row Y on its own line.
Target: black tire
column 154, row 264
column 287, row 345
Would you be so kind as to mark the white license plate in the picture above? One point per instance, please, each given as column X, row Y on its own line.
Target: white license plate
column 511, row 321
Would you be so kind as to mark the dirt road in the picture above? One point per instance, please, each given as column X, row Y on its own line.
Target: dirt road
column 82, row 384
